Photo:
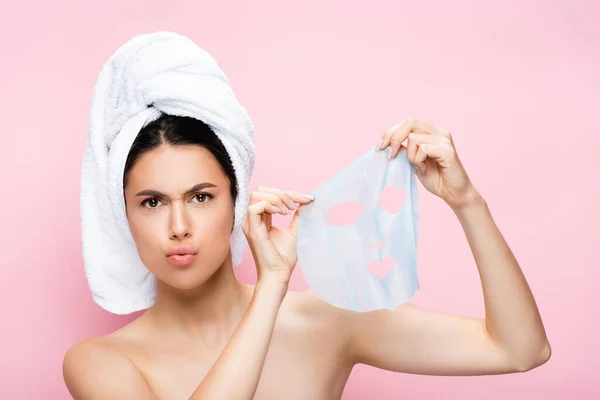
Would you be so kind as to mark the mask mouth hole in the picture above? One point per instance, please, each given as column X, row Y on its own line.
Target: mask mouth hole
column 345, row 213
column 392, row 199
column 381, row 268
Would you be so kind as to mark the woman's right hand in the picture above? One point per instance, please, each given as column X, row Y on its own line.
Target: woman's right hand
column 274, row 249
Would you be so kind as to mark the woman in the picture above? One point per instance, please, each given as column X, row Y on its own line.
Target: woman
column 210, row 337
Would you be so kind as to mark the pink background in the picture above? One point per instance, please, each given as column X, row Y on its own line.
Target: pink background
column 515, row 82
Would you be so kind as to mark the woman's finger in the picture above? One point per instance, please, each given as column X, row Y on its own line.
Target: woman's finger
column 441, row 153
column 291, row 199
column 388, row 134
column 395, row 135
column 394, row 150
column 398, row 134
column 293, row 226
column 421, row 127
column 416, row 156
column 255, row 212
column 300, row 198
column 267, row 219
column 419, row 159
column 414, row 142
column 285, row 198
column 257, row 196
column 425, row 138
column 437, row 152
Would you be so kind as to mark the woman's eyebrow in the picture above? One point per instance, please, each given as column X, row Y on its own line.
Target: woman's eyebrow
column 195, row 188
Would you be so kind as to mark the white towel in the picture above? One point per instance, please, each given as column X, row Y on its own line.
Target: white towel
column 151, row 74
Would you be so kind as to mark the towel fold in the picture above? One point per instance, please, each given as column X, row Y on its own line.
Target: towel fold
column 151, row 74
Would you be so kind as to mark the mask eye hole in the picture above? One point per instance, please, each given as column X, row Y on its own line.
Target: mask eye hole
column 392, row 199
column 345, row 213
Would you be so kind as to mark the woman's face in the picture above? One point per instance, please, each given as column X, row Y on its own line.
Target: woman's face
column 162, row 213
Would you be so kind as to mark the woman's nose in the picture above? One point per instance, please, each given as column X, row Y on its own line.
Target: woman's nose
column 180, row 226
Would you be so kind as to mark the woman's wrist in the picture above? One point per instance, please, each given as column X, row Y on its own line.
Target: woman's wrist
column 472, row 198
column 271, row 286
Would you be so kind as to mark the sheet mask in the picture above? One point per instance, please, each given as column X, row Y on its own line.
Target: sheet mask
column 336, row 260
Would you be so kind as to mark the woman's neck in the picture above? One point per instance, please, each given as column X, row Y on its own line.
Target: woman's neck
column 210, row 312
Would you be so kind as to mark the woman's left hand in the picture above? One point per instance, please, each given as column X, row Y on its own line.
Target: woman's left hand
column 431, row 150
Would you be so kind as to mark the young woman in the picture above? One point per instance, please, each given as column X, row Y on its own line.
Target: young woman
column 210, row 337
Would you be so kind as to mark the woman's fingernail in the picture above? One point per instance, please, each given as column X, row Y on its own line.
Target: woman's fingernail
column 419, row 170
column 378, row 146
column 294, row 205
column 390, row 151
column 308, row 196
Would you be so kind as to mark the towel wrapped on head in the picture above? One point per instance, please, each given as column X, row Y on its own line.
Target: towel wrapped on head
column 148, row 76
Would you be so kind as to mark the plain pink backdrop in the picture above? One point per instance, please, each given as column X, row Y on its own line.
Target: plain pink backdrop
column 516, row 83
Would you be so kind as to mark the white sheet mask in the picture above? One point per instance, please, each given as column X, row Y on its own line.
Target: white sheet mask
column 337, row 260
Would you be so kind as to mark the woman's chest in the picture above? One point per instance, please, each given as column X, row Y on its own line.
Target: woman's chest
column 308, row 366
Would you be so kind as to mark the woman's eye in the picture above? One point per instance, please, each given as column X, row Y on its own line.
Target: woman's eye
column 201, row 197
column 150, row 203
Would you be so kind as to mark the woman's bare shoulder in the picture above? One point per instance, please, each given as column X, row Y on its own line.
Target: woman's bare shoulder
column 99, row 350
column 309, row 302
column 113, row 346
column 103, row 359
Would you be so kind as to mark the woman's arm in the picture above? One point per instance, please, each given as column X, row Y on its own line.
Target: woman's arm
column 512, row 317
column 236, row 373
column 511, row 338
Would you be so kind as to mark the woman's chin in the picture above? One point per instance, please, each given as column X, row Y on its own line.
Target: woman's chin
column 186, row 281
column 186, row 277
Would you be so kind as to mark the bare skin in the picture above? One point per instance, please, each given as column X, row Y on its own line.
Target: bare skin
column 209, row 336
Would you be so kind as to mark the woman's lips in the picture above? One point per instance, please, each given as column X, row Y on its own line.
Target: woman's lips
column 181, row 260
